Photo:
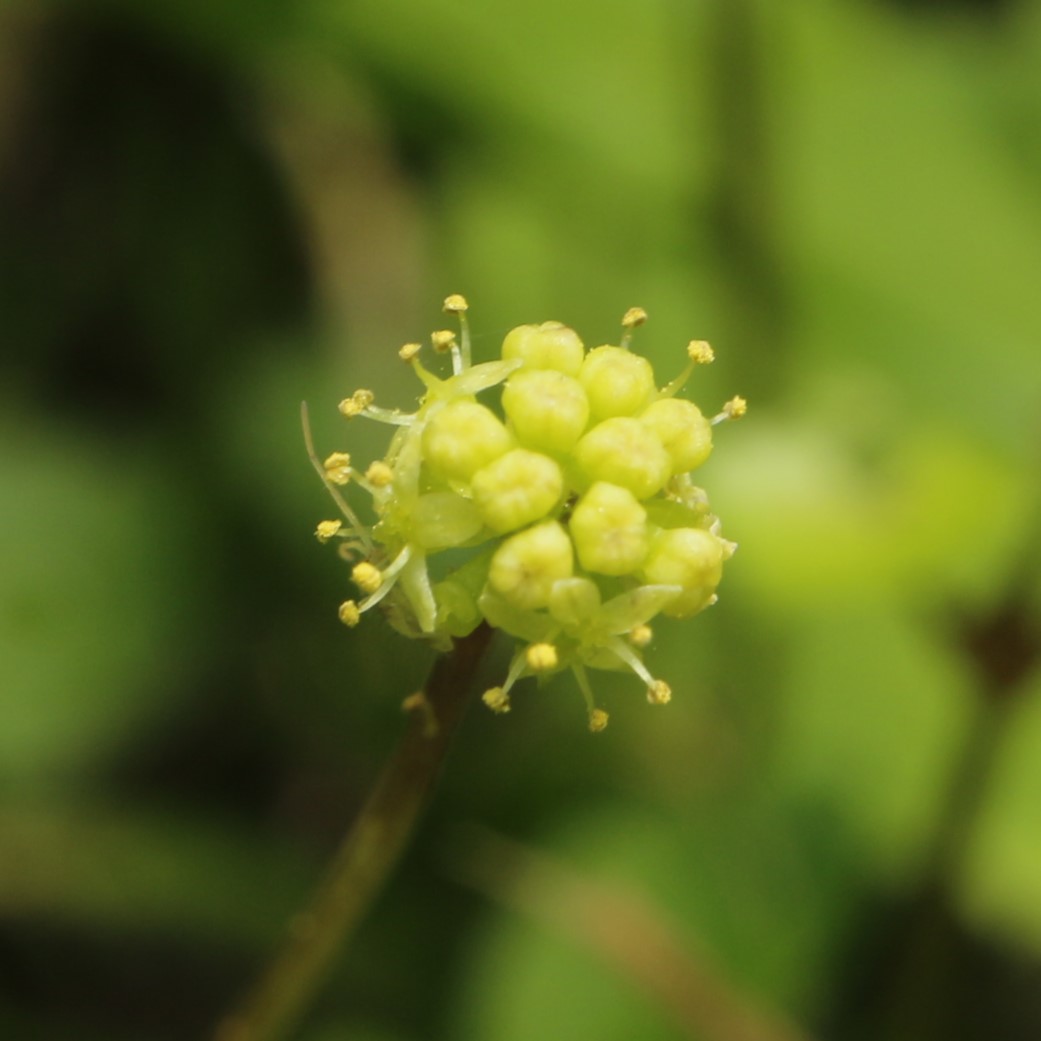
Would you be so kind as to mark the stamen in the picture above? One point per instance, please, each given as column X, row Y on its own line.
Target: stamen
column 541, row 657
column 658, row 691
column 497, row 700
column 640, row 636
column 338, row 468
column 379, row 475
column 735, row 408
column 327, row 529
column 358, row 529
column 387, row 577
column 357, row 403
column 632, row 318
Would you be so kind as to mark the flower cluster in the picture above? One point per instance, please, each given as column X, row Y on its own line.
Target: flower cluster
column 567, row 517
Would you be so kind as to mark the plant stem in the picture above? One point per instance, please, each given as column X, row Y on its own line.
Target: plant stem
column 365, row 858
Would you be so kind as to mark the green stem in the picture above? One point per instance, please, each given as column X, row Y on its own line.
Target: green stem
column 366, row 857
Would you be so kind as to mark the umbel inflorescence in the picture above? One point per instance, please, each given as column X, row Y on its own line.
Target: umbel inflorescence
column 566, row 517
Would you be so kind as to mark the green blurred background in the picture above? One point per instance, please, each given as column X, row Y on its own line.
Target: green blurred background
column 210, row 212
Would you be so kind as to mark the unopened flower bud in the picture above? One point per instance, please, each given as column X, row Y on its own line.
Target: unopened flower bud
column 617, row 382
column 461, row 438
column 609, row 529
column 517, row 489
column 550, row 345
column 688, row 557
column 623, row 451
column 683, row 431
column 527, row 564
column 548, row 410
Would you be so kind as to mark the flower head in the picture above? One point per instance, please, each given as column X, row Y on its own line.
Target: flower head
column 566, row 502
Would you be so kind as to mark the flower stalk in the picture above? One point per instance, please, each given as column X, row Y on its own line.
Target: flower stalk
column 367, row 855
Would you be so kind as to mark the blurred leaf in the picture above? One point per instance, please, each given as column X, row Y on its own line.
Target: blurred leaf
column 101, row 598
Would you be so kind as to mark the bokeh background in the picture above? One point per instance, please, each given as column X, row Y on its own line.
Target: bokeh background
column 211, row 212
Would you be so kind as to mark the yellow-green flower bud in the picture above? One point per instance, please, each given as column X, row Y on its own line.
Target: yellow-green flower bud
column 681, row 428
column 691, row 558
column 623, row 451
column 548, row 410
column 617, row 382
column 550, row 345
column 517, row 489
column 609, row 529
column 527, row 564
column 461, row 438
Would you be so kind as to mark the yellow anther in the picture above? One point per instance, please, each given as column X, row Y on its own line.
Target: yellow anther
column 379, row 474
column 443, row 340
column 735, row 408
column 497, row 700
column 641, row 635
column 700, row 352
column 349, row 614
column 327, row 529
column 541, row 657
column 420, row 703
column 455, row 304
column 357, row 403
column 338, row 467
column 633, row 317
column 367, row 577
column 597, row 720
column 659, row 693
column 409, row 351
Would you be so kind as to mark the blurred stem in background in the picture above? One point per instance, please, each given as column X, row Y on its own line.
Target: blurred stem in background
column 624, row 930
column 1002, row 648
column 368, row 854
column 742, row 215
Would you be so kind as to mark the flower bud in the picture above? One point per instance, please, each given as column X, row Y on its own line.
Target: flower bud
column 623, row 451
column 617, row 382
column 548, row 410
column 527, row 564
column 691, row 558
column 609, row 529
column 517, row 489
column 683, row 431
column 550, row 345
column 461, row 438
